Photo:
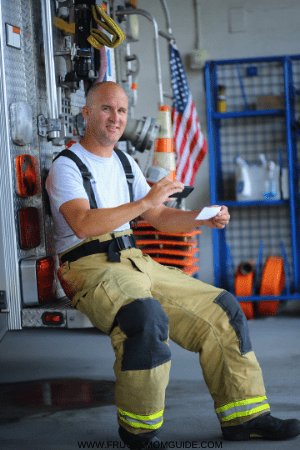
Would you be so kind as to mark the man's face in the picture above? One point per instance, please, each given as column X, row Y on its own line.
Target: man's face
column 107, row 115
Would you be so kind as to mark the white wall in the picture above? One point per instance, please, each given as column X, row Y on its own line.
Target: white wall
column 266, row 28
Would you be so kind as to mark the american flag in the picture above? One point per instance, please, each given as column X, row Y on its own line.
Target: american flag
column 189, row 142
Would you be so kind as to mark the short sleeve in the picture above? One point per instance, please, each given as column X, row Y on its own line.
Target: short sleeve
column 64, row 182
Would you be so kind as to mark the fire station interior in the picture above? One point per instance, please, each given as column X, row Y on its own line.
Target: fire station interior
column 242, row 64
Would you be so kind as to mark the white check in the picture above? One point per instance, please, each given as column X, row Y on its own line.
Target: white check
column 208, row 212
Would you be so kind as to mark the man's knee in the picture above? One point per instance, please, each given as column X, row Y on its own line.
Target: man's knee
column 146, row 326
column 237, row 319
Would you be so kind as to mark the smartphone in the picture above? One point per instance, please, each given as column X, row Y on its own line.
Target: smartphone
column 183, row 194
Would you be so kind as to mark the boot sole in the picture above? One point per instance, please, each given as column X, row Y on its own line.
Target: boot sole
column 246, row 436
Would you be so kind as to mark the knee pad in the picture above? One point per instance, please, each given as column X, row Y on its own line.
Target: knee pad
column 237, row 319
column 146, row 326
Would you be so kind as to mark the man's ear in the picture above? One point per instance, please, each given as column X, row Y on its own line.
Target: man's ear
column 85, row 112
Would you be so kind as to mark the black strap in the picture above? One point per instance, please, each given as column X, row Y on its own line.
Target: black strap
column 129, row 177
column 112, row 247
column 128, row 171
column 86, row 175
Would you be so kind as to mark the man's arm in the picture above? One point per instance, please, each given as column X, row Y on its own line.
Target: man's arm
column 173, row 220
column 86, row 222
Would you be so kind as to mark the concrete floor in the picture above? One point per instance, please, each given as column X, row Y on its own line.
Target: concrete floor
column 43, row 354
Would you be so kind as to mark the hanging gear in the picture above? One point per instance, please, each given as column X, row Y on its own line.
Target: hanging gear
column 87, row 176
column 62, row 25
column 97, row 38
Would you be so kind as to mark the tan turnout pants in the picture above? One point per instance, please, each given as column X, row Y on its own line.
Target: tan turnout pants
column 202, row 319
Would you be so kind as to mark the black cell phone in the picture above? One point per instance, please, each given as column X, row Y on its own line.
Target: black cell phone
column 183, row 194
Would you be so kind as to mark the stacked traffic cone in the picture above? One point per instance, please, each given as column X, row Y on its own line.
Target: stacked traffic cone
column 164, row 154
column 171, row 249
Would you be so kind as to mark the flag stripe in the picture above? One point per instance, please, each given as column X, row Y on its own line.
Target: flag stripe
column 185, row 144
column 189, row 132
column 180, row 142
column 189, row 142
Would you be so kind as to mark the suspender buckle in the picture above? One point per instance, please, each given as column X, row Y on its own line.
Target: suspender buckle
column 129, row 177
column 124, row 242
column 87, row 175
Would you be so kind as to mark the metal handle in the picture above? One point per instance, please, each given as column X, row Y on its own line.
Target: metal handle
column 49, row 64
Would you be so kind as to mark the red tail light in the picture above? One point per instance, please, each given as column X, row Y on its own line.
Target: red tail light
column 29, row 228
column 52, row 318
column 45, row 279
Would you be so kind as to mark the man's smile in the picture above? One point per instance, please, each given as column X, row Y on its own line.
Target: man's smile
column 112, row 127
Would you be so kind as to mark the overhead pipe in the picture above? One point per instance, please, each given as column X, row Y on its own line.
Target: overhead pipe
column 169, row 36
column 167, row 15
column 141, row 12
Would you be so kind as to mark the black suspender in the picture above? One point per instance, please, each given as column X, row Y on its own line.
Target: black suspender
column 128, row 171
column 129, row 177
column 86, row 175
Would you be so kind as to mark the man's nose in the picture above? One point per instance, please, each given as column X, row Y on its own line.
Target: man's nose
column 113, row 116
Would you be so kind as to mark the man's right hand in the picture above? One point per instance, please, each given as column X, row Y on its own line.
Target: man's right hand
column 162, row 191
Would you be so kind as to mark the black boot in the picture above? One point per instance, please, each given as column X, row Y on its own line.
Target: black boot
column 140, row 441
column 264, row 426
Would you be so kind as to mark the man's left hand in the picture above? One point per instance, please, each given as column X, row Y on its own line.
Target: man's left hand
column 220, row 220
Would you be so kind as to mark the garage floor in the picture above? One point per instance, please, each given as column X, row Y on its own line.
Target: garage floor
column 56, row 389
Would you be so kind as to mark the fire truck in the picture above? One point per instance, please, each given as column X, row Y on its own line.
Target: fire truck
column 51, row 52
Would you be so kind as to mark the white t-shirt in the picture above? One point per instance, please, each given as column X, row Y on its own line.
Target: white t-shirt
column 65, row 183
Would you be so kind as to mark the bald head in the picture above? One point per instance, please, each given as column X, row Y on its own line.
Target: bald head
column 100, row 88
column 106, row 115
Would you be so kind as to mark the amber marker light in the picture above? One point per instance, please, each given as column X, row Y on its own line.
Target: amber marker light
column 26, row 176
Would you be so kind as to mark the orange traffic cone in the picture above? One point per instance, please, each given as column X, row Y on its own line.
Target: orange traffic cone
column 164, row 154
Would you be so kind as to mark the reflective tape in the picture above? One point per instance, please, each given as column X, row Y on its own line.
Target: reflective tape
column 151, row 422
column 242, row 408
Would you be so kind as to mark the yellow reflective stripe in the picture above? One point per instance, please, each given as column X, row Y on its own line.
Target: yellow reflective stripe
column 151, row 422
column 136, row 416
column 143, row 425
column 245, row 413
column 240, row 403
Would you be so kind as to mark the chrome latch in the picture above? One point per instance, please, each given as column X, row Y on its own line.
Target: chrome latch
column 48, row 125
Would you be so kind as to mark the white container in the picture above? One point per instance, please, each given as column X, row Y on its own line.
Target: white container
column 285, row 190
column 243, row 185
column 254, row 183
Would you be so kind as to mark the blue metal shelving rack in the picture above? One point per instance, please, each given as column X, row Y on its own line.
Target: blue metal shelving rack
column 257, row 229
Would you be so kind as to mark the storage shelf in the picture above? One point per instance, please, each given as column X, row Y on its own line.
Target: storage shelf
column 260, row 298
column 250, row 113
column 262, row 228
column 235, row 203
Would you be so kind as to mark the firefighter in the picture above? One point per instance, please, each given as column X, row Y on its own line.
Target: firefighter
column 141, row 303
